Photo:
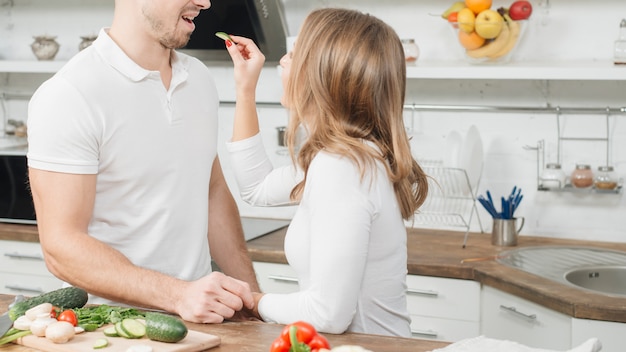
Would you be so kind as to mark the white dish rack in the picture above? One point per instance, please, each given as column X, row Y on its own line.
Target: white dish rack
column 451, row 201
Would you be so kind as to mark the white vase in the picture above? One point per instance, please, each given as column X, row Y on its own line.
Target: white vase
column 45, row 47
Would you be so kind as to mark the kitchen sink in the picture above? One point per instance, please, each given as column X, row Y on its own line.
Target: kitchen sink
column 605, row 279
column 596, row 269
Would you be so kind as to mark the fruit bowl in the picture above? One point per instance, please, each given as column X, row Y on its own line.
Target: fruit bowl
column 499, row 49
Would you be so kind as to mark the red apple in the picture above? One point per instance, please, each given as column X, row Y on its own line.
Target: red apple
column 520, row 10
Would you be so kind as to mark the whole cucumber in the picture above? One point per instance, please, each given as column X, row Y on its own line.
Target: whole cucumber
column 164, row 328
column 67, row 297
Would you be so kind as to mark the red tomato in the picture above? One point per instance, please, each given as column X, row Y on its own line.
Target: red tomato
column 68, row 316
column 54, row 312
column 279, row 345
column 317, row 342
column 304, row 333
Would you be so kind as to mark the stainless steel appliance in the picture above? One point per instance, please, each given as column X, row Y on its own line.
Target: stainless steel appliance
column 16, row 204
column 261, row 20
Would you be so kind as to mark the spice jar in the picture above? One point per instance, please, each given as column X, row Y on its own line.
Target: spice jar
column 605, row 179
column 553, row 176
column 411, row 50
column 582, row 176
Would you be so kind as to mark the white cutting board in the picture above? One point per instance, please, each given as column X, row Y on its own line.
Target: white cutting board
column 195, row 341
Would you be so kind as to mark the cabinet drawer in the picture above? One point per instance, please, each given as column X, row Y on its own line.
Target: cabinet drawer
column 438, row 297
column 448, row 330
column 508, row 317
column 276, row 278
column 611, row 334
column 22, row 257
column 28, row 285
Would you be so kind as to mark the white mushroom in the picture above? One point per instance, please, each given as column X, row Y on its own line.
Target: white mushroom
column 39, row 325
column 60, row 332
column 22, row 323
column 35, row 311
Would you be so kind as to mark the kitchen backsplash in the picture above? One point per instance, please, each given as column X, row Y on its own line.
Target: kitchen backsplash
column 559, row 30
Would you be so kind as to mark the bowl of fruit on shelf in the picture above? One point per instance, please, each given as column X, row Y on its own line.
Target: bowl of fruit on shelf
column 486, row 35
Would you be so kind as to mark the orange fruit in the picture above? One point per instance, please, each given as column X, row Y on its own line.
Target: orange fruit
column 478, row 5
column 470, row 41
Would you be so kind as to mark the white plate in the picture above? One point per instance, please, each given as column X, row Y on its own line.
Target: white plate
column 471, row 158
column 454, row 142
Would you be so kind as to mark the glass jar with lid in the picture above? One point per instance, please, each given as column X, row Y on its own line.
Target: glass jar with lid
column 582, row 176
column 605, row 178
column 552, row 176
column 411, row 50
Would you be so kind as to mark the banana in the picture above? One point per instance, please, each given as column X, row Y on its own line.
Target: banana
column 515, row 30
column 493, row 46
column 456, row 7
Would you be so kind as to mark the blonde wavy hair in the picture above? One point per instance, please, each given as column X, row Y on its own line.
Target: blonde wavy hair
column 347, row 85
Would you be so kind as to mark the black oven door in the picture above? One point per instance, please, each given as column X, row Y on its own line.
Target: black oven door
column 16, row 202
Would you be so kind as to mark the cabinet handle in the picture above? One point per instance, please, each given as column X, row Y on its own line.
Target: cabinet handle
column 24, row 289
column 529, row 317
column 24, row 256
column 417, row 291
column 429, row 333
column 283, row 278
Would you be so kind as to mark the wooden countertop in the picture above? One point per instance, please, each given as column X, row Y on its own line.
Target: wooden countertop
column 439, row 253
column 258, row 336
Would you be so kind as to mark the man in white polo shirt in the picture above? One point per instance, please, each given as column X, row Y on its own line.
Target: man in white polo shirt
column 130, row 197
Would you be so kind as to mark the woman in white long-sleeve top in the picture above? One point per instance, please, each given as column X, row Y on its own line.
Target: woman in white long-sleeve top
column 353, row 176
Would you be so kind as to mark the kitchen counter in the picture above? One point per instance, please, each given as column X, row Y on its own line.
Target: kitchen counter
column 258, row 336
column 440, row 253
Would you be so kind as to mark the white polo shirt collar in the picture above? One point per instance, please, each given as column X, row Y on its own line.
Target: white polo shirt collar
column 117, row 58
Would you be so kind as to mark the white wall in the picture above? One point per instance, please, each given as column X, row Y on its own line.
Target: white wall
column 559, row 30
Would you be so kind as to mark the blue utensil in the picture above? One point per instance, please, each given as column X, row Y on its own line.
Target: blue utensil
column 489, row 207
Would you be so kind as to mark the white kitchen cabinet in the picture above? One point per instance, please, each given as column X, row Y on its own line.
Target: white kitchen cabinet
column 23, row 270
column 508, row 317
column 611, row 334
column 443, row 309
column 276, row 278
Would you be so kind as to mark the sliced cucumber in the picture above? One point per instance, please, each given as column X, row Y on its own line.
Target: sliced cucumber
column 120, row 331
column 100, row 343
column 133, row 328
column 224, row 36
column 110, row 332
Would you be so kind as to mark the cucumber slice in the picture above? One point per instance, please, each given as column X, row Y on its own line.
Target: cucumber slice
column 133, row 328
column 120, row 331
column 110, row 332
column 100, row 343
column 224, row 36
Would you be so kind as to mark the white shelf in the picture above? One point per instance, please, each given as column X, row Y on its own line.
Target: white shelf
column 30, row 66
column 582, row 70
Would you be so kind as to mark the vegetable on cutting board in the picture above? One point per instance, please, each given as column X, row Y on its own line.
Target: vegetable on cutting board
column 60, row 332
column 67, row 297
column 164, row 328
column 100, row 343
